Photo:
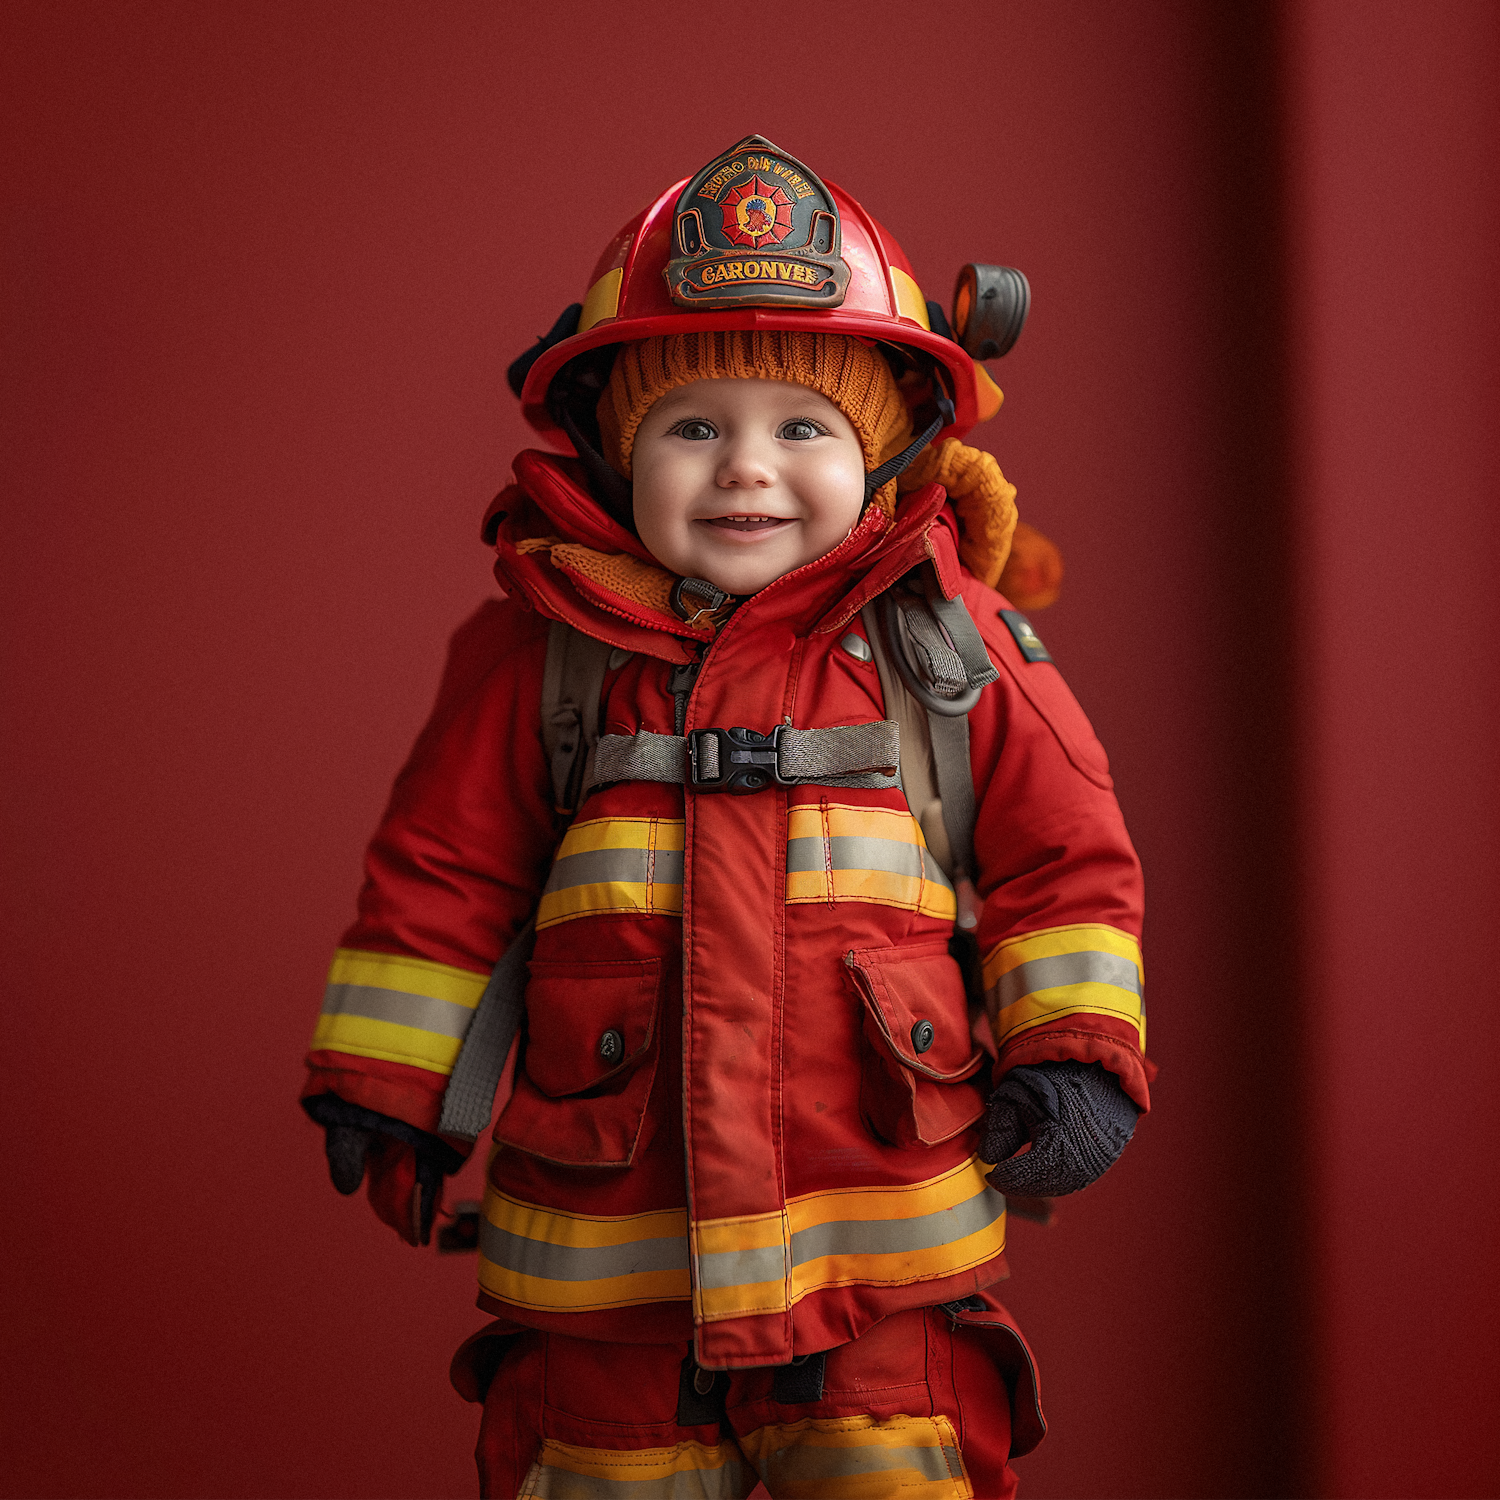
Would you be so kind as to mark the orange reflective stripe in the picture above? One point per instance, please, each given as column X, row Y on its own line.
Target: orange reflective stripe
column 688, row 1471
column 837, row 852
column 866, row 1236
column 855, row 1457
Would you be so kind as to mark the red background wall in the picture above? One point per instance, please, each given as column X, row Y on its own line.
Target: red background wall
column 264, row 267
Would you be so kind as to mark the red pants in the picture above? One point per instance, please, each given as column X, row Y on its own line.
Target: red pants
column 918, row 1406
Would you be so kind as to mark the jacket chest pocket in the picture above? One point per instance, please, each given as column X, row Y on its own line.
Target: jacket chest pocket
column 585, row 1075
column 917, row 1083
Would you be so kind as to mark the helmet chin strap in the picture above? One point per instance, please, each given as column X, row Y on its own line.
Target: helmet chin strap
column 879, row 477
column 611, row 488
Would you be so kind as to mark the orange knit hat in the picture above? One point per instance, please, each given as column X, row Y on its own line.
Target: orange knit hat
column 849, row 373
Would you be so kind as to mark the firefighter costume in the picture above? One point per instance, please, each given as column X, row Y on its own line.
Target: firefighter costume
column 735, row 1223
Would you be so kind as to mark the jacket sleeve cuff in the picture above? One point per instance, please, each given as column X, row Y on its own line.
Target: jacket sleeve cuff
column 390, row 1032
column 1071, row 992
column 403, row 1093
column 1086, row 1039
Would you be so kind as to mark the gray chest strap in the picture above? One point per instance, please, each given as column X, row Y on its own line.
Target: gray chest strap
column 743, row 760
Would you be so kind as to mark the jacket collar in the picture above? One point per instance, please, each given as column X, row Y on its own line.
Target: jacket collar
column 550, row 501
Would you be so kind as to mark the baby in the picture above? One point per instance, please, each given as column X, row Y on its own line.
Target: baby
column 757, row 720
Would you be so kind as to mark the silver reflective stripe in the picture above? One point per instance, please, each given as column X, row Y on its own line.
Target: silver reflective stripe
column 1092, row 967
column 861, row 852
column 610, row 866
column 806, row 1463
column 551, row 1262
column 894, row 1236
column 742, row 1267
column 729, row 1480
column 729, row 1268
column 399, row 1007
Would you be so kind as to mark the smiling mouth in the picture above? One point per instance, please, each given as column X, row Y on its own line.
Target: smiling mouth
column 747, row 523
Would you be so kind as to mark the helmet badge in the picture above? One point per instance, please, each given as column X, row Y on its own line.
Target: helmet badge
column 755, row 228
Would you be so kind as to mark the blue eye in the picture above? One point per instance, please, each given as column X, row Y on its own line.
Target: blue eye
column 695, row 430
column 800, row 429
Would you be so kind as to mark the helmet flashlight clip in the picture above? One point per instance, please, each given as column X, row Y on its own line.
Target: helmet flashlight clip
column 990, row 304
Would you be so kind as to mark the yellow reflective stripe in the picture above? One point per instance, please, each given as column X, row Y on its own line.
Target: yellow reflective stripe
column 897, row 1268
column 848, row 1457
column 891, row 1235
column 615, row 865
column 1084, row 968
column 732, row 1236
column 582, row 1231
column 840, row 820
column 1052, row 942
column 713, row 1304
column 687, row 1471
column 623, row 833
column 599, row 898
column 910, row 303
column 742, row 1265
column 1042, row 1006
column 388, row 1042
column 416, row 976
column 937, row 1194
column 602, row 300
column 397, row 1008
column 540, row 1258
column 839, row 852
column 885, row 1234
column 878, row 887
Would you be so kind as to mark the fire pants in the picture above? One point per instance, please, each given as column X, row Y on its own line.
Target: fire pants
column 920, row 1405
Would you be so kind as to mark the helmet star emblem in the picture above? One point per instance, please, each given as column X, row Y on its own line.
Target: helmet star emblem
column 756, row 214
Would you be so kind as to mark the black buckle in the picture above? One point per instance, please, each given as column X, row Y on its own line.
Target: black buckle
column 747, row 760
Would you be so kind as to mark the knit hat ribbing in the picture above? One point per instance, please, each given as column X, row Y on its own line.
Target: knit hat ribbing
column 850, row 374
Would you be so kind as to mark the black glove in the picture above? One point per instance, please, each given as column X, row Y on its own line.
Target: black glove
column 350, row 1134
column 1076, row 1116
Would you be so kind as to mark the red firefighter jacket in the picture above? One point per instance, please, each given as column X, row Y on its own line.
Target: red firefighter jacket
column 721, row 1123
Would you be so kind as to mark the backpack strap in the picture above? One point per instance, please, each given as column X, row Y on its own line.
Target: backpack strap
column 469, row 1098
column 572, row 685
column 933, row 666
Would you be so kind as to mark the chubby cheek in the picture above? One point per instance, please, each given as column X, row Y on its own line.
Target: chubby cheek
column 661, row 520
column 833, row 495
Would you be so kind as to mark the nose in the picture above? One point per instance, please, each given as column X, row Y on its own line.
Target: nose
column 745, row 465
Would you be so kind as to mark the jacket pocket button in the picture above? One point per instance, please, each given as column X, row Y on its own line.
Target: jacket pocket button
column 921, row 1036
column 611, row 1047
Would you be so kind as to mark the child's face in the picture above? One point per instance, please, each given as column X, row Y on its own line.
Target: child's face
column 740, row 481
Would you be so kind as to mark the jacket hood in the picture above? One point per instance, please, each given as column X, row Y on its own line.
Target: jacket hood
column 558, row 550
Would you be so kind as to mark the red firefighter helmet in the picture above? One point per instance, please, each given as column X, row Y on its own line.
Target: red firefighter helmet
column 756, row 241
